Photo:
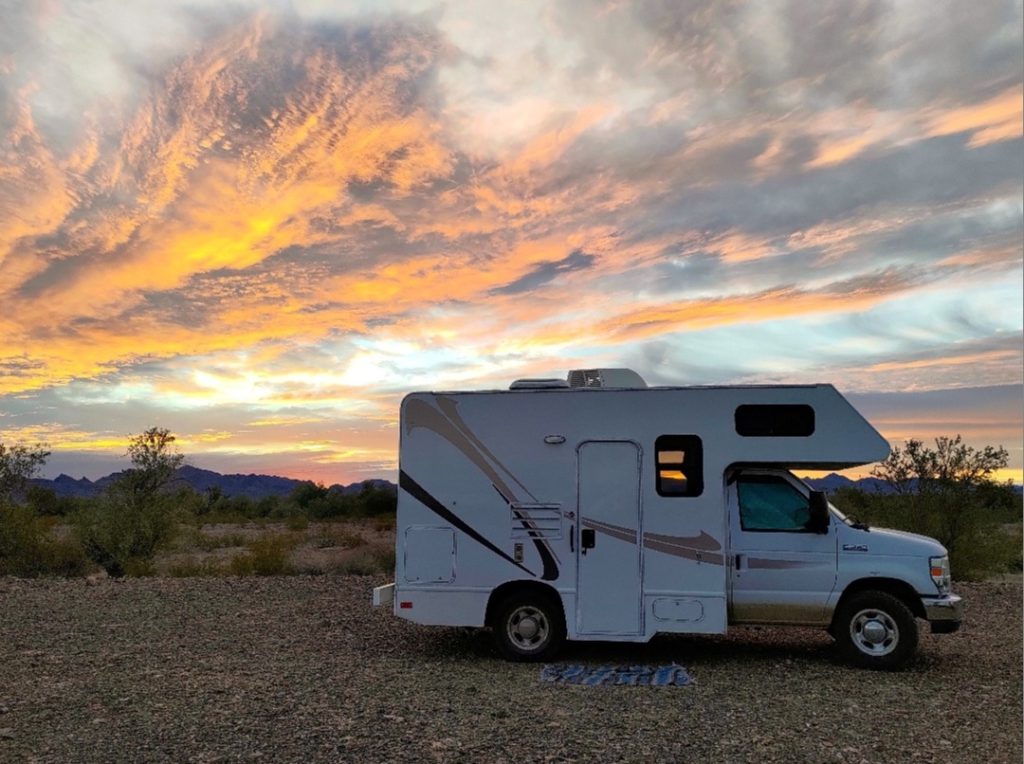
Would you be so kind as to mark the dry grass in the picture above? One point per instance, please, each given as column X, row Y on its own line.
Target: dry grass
column 266, row 549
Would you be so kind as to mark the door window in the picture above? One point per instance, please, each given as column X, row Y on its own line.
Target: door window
column 770, row 503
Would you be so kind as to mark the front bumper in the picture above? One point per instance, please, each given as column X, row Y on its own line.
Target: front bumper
column 945, row 614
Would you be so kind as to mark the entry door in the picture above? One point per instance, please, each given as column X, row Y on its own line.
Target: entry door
column 780, row 572
column 608, row 585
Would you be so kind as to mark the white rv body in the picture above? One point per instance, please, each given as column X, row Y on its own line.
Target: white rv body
column 498, row 490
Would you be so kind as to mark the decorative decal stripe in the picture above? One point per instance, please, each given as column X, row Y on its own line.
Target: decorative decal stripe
column 691, row 548
column 703, row 541
column 615, row 531
column 419, row 413
column 711, row 558
column 546, row 557
column 419, row 493
column 450, row 408
column 772, row 564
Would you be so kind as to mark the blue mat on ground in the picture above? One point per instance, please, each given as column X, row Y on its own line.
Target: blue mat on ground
column 672, row 675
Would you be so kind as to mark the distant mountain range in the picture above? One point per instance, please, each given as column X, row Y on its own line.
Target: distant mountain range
column 201, row 481
column 258, row 486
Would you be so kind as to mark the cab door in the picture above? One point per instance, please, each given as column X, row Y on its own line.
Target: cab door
column 780, row 572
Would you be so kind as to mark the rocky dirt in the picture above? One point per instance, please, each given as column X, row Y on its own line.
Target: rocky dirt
column 303, row 669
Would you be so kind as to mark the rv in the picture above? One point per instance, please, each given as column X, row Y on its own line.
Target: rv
column 597, row 508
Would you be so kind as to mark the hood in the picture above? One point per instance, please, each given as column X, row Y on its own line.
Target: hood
column 887, row 541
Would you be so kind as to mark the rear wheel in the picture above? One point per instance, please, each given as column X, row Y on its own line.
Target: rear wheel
column 529, row 627
column 875, row 630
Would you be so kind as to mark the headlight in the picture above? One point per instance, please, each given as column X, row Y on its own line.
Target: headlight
column 940, row 572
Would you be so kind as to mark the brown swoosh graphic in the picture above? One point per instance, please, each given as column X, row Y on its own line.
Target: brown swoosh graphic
column 688, row 547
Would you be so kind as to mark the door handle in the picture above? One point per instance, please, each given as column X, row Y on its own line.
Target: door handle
column 739, row 561
column 588, row 538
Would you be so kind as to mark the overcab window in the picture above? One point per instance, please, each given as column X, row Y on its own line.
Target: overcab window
column 679, row 465
column 775, row 421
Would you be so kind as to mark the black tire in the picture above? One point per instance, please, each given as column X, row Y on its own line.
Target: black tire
column 875, row 630
column 529, row 626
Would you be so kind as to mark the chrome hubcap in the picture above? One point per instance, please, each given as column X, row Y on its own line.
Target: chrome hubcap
column 874, row 632
column 528, row 627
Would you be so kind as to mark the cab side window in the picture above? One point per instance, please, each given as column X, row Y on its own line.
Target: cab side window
column 769, row 503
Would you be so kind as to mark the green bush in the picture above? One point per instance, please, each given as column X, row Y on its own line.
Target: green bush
column 979, row 543
column 122, row 531
column 28, row 548
column 266, row 556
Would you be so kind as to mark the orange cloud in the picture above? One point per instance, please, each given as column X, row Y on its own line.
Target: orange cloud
column 998, row 119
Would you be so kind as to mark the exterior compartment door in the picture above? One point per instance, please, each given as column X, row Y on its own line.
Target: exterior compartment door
column 609, row 593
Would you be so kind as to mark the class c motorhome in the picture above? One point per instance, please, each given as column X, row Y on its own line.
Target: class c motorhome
column 597, row 508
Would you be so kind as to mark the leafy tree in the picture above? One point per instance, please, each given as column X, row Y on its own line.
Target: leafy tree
column 18, row 463
column 154, row 463
column 951, row 465
column 948, row 492
column 137, row 515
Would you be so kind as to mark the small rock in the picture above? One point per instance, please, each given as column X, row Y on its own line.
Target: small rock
column 6, row 734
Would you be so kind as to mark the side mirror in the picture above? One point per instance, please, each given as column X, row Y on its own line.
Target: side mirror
column 820, row 516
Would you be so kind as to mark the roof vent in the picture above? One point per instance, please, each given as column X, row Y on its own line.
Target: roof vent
column 537, row 384
column 605, row 378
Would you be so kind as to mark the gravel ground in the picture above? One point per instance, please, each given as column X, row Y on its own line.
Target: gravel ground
column 303, row 669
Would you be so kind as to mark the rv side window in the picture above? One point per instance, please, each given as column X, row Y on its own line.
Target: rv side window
column 769, row 503
column 679, row 465
column 775, row 421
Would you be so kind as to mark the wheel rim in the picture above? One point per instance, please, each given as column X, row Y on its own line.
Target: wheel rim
column 874, row 632
column 528, row 628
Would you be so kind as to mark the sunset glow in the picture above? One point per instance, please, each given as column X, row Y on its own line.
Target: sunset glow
column 260, row 225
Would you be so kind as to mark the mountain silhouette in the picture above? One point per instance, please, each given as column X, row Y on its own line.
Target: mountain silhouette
column 250, row 486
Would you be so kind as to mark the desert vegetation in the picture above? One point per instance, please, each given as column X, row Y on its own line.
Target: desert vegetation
column 148, row 523
column 947, row 492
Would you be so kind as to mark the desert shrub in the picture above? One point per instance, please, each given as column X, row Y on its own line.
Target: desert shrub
column 948, row 492
column 360, row 564
column 979, row 544
column 375, row 501
column 121, row 531
column 296, row 522
column 370, row 561
column 265, row 556
column 138, row 514
column 46, row 503
column 305, row 494
column 385, row 559
column 339, row 537
column 384, row 523
column 28, row 548
column 208, row 542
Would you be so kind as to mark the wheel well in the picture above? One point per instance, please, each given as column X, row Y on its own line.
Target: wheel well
column 901, row 590
column 519, row 587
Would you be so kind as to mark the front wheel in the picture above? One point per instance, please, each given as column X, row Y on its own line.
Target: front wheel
column 529, row 627
column 875, row 630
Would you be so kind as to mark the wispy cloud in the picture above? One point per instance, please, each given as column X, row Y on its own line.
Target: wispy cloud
column 291, row 217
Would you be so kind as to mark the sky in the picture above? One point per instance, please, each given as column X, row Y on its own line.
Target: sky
column 261, row 224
